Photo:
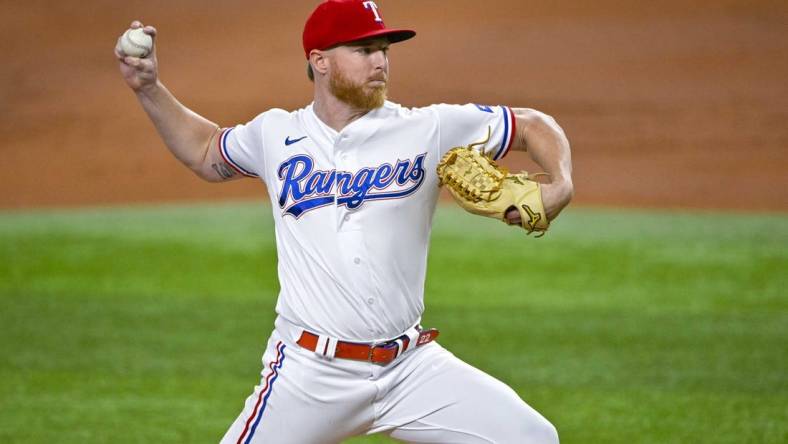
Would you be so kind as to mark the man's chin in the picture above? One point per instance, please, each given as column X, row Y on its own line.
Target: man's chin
column 363, row 97
column 378, row 97
column 371, row 98
column 378, row 101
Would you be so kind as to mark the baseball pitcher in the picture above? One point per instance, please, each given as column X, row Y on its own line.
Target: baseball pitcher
column 353, row 180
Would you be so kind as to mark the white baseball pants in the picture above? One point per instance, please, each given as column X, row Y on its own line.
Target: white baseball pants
column 427, row 395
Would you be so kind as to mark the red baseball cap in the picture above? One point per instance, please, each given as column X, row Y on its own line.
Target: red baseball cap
column 335, row 22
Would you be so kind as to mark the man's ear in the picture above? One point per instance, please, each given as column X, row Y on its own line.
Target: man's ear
column 319, row 60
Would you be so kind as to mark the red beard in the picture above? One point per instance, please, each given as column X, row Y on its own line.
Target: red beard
column 358, row 96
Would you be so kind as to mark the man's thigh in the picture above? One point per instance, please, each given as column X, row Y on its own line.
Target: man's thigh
column 301, row 400
column 437, row 398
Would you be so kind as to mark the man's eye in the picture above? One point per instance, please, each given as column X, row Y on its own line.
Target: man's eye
column 371, row 50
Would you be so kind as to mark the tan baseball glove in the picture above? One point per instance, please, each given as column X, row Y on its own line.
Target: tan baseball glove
column 482, row 187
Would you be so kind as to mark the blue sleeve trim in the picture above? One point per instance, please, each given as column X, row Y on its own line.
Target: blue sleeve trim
column 226, row 155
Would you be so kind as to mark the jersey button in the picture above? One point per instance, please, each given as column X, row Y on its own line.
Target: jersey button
column 356, row 261
column 370, row 301
column 347, row 217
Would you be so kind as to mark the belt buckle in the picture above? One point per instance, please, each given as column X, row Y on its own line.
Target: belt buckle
column 372, row 347
column 382, row 344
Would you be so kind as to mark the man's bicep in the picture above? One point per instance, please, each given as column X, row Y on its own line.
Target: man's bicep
column 215, row 168
column 218, row 169
column 462, row 125
column 522, row 118
column 533, row 123
column 219, row 165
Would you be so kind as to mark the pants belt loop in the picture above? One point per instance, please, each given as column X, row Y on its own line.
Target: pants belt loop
column 400, row 348
column 326, row 347
column 332, row 348
column 413, row 337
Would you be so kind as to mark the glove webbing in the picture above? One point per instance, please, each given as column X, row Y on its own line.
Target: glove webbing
column 484, row 186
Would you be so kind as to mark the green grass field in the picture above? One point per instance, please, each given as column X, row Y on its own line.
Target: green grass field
column 142, row 325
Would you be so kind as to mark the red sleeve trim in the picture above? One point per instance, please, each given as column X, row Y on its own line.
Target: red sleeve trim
column 514, row 133
column 226, row 155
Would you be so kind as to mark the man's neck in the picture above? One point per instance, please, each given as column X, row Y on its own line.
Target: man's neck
column 334, row 112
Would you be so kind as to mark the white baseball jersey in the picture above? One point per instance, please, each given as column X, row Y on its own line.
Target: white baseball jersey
column 353, row 209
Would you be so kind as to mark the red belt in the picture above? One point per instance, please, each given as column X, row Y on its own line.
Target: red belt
column 377, row 353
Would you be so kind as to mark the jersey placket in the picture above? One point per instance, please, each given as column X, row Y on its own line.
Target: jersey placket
column 350, row 231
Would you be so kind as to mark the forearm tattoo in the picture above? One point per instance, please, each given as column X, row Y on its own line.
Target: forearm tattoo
column 223, row 170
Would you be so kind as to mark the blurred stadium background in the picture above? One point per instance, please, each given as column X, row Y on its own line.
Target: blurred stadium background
column 135, row 300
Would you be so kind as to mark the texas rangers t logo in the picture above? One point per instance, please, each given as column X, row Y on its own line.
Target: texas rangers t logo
column 305, row 189
column 371, row 5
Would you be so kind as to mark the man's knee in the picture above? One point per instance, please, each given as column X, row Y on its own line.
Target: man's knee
column 539, row 432
column 525, row 426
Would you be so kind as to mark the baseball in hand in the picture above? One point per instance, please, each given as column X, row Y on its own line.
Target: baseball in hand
column 135, row 43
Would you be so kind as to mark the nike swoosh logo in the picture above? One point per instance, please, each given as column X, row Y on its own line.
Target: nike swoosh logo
column 289, row 142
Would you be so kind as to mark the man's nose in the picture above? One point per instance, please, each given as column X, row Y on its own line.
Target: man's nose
column 379, row 59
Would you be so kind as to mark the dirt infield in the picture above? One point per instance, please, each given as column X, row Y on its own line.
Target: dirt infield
column 666, row 105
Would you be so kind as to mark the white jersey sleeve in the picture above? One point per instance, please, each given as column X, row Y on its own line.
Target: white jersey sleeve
column 461, row 125
column 241, row 147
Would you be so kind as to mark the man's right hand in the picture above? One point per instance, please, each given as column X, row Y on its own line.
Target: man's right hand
column 191, row 138
column 139, row 73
